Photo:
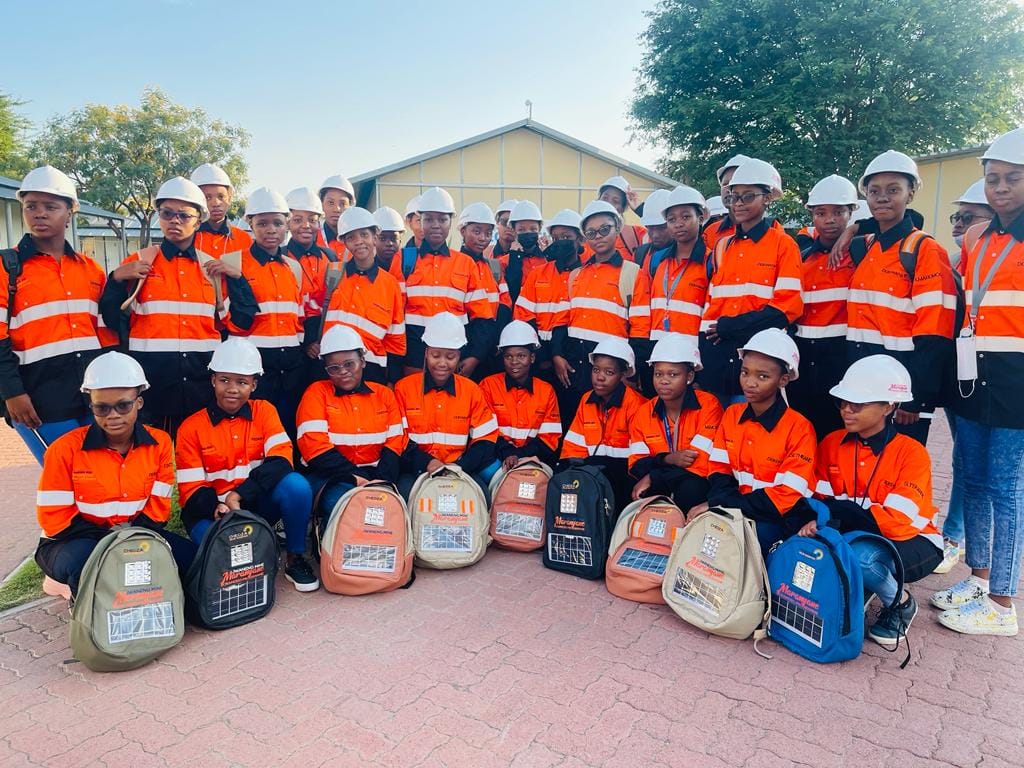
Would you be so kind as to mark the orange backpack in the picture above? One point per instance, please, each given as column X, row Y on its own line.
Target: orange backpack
column 639, row 549
column 366, row 545
column 517, row 506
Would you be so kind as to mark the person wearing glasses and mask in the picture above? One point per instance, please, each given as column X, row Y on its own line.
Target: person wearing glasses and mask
column 170, row 303
column 971, row 208
column 113, row 472
column 616, row 192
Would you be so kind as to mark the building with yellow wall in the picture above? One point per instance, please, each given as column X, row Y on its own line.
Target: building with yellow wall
column 945, row 177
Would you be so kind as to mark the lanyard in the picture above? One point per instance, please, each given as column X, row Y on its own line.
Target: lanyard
column 979, row 289
column 669, row 291
column 670, row 430
column 871, row 477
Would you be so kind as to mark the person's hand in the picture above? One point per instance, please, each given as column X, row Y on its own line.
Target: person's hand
column 809, row 529
column 712, row 334
column 842, row 247
column 221, row 510
column 682, row 459
column 643, row 485
column 699, row 509
column 131, row 270
column 509, row 462
column 21, row 411
column 233, row 500
column 544, row 241
column 633, row 199
column 313, row 350
column 562, row 370
column 467, row 366
column 435, row 465
column 515, row 245
column 905, row 417
column 218, row 268
column 360, row 481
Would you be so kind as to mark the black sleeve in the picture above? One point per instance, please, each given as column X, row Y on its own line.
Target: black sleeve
column 263, row 479
column 387, row 466
column 851, row 516
column 666, row 476
column 243, row 307
column 310, row 331
column 394, row 368
column 642, row 349
column 482, row 334
column 477, row 456
column 11, row 384
column 559, row 338
column 724, row 491
column 333, row 466
column 803, row 240
column 113, row 296
column 746, row 325
column 200, row 506
column 866, row 227
column 647, row 465
column 536, row 447
column 756, row 505
column 503, row 448
column 415, row 459
column 931, row 354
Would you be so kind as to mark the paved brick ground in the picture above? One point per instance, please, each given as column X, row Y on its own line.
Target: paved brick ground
column 505, row 664
column 19, row 475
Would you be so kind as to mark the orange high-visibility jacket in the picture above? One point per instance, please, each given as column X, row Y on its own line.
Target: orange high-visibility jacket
column 217, row 242
column 602, row 429
column 544, row 300
column 716, row 231
column 444, row 280
column 278, row 323
column 371, row 303
column 825, row 293
column 636, row 236
column 672, row 301
column 526, row 415
column 596, row 306
column 649, row 432
column 334, row 243
column 315, row 263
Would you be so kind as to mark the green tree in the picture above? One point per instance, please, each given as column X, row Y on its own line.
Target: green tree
column 119, row 155
column 821, row 86
column 13, row 155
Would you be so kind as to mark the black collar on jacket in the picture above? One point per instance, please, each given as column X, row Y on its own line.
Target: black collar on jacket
column 510, row 384
column 770, row 418
column 218, row 414
column 96, row 438
column 26, row 248
column 362, row 389
column 614, row 399
column 429, row 385
column 224, row 229
column 889, row 238
column 264, row 257
column 877, row 441
column 690, row 403
column 1015, row 227
column 756, row 232
column 171, row 251
column 371, row 274
column 426, row 250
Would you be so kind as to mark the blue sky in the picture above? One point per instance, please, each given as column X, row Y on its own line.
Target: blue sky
column 329, row 87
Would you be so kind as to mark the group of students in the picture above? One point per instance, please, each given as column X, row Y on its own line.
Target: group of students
column 697, row 356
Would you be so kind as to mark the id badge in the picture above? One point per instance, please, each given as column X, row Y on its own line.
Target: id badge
column 967, row 356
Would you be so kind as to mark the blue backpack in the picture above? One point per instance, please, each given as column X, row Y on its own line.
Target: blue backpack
column 818, row 596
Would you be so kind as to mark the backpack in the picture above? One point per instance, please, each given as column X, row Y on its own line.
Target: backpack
column 231, row 581
column 517, row 506
column 715, row 578
column 639, row 548
column 130, row 607
column 579, row 513
column 409, row 255
column 450, row 523
column 367, row 544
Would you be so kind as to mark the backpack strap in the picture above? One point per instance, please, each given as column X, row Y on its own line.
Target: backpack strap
column 715, row 259
column 641, row 253
column 630, row 246
column 204, row 259
column 885, row 543
column 147, row 256
column 332, row 279
column 627, row 280
column 572, row 280
column 973, row 235
column 495, row 267
column 409, row 254
column 12, row 266
column 859, row 247
column 296, row 269
column 909, row 249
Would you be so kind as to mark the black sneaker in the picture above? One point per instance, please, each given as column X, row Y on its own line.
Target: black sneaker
column 300, row 573
column 893, row 623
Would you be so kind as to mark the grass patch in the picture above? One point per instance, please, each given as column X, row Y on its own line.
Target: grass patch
column 25, row 585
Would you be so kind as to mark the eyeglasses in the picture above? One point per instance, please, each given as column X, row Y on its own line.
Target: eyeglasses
column 349, row 366
column 844, row 405
column 103, row 409
column 967, row 218
column 746, row 198
column 593, row 234
column 166, row 214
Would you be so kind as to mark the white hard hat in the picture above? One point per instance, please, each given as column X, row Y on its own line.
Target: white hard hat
column 506, row 206
column 436, row 200
column 776, row 343
column 518, row 334
column 476, row 213
column 265, row 200
column 654, row 208
column 114, row 369
column 525, row 210
column 304, row 199
column 389, row 220
column 208, row 173
column 180, row 188
column 566, row 217
column 341, row 338
column 890, row 161
column 236, row 355
column 413, row 206
column 862, row 211
column 682, row 195
column 49, row 180
column 874, row 379
column 1009, row 148
column 338, row 182
column 832, row 190
column 974, row 194
column 758, row 173
column 444, row 331
column 716, row 207
column 354, row 218
column 618, row 348
column 733, row 162
column 615, row 181
column 676, row 348
column 594, row 207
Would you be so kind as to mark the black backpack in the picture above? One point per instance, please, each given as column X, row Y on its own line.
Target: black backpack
column 579, row 517
column 231, row 581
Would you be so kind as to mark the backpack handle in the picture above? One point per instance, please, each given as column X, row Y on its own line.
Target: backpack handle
column 821, row 510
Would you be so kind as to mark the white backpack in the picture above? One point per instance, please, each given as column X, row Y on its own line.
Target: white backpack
column 450, row 520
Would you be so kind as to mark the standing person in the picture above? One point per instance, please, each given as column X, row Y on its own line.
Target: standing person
column 821, row 329
column 653, row 220
column 476, row 227
column 971, row 208
column 716, row 210
column 369, row 300
column 50, row 326
column 336, row 195
column 412, row 222
column 390, row 228
column 725, row 226
column 893, row 309
column 616, row 192
column 216, row 235
column 754, row 280
column 113, row 472
column 526, row 253
column 234, row 454
column 506, row 235
column 176, row 298
column 988, row 455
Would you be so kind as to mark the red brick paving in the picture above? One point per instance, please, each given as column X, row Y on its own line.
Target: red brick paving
column 19, row 475
column 502, row 664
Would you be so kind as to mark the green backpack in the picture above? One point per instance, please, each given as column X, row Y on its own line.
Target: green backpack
column 130, row 605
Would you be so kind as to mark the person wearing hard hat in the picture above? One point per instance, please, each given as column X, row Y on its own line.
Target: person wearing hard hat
column 762, row 462
column 873, row 479
column 724, row 226
column 50, row 328
column 672, row 284
column 388, row 241
column 174, row 299
column 446, row 415
column 988, row 456
column 671, row 436
column 599, row 432
column 653, row 220
column 113, row 472
column 216, row 236
column 235, row 454
column 336, row 195
column 754, row 279
column 716, row 210
column 506, row 235
column 972, row 208
column 368, row 300
column 350, row 430
column 526, row 253
column 442, row 280
column 616, row 192
column 903, row 293
column 412, row 222
column 476, row 227
column 821, row 329
column 526, row 408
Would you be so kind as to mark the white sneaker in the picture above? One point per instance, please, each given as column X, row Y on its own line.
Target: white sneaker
column 959, row 594
column 950, row 557
column 980, row 617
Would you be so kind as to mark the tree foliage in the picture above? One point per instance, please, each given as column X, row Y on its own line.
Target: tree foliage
column 119, row 155
column 13, row 154
column 819, row 87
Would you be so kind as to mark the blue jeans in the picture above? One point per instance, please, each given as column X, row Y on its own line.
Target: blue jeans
column 38, row 439
column 290, row 501
column 990, row 462
column 878, row 569
column 329, row 497
column 953, row 525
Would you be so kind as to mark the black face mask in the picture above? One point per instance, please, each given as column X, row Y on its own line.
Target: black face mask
column 528, row 240
column 562, row 252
